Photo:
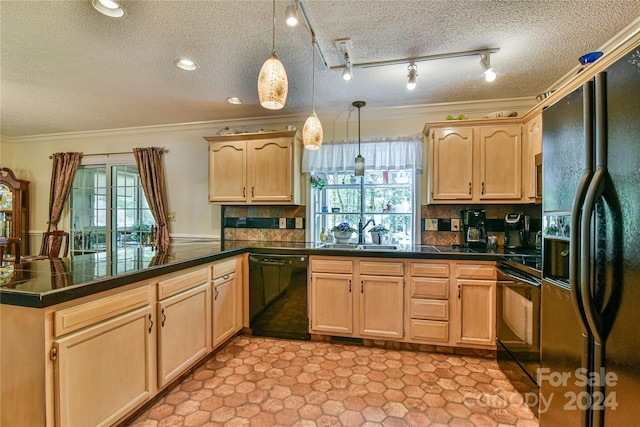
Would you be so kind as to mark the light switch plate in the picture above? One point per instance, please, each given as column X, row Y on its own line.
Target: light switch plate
column 298, row 222
column 171, row 216
column 455, row 224
column 283, row 223
column 431, row 224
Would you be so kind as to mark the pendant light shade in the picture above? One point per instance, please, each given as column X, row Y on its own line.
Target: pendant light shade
column 312, row 131
column 273, row 85
column 359, row 165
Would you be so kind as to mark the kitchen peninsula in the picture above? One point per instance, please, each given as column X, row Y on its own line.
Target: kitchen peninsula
column 162, row 314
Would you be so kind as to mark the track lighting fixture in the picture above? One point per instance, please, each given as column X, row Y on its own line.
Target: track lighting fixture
column 344, row 46
column 485, row 63
column 291, row 14
column 273, row 85
column 413, row 73
column 347, row 73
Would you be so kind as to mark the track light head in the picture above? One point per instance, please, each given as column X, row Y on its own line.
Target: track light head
column 413, row 73
column 347, row 73
column 485, row 63
column 291, row 14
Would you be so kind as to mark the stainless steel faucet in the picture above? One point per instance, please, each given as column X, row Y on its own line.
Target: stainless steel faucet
column 361, row 230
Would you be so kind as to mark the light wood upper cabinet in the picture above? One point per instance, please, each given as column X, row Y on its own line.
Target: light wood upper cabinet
column 255, row 168
column 452, row 164
column 477, row 161
column 500, row 161
column 533, row 146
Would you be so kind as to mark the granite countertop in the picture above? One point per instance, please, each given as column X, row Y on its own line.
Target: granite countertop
column 41, row 283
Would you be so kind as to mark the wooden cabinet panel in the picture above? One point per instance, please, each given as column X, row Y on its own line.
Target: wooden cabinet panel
column 331, row 303
column 476, row 271
column 184, row 333
column 429, row 330
column 224, row 308
column 181, row 283
column 426, row 287
column 429, row 309
column 500, row 162
column 104, row 371
column 381, row 306
column 429, row 269
column 382, row 268
column 270, row 164
column 452, row 164
column 476, row 314
column 227, row 172
column 339, row 266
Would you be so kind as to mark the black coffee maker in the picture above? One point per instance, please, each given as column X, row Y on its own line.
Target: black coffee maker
column 516, row 231
column 475, row 235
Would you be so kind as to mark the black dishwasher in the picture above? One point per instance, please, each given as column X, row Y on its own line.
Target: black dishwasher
column 278, row 296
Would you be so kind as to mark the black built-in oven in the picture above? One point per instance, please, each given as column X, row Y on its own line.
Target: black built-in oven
column 518, row 326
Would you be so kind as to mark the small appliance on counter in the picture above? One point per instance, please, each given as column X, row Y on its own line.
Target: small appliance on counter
column 473, row 221
column 516, row 231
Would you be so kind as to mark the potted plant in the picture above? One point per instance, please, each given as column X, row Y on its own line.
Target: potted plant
column 343, row 232
column 376, row 233
column 318, row 181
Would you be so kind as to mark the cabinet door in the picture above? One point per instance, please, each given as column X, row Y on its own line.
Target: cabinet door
column 500, row 166
column 224, row 308
column 104, row 371
column 331, row 302
column 227, row 172
column 475, row 321
column 452, row 164
column 382, row 306
column 270, row 164
column 533, row 136
column 184, row 333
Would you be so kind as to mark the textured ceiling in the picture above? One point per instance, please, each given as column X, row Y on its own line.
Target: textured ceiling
column 66, row 68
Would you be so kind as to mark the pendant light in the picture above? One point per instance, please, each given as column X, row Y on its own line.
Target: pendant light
column 272, row 81
column 359, row 168
column 312, row 131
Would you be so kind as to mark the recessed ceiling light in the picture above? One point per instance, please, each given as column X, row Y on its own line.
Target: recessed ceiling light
column 186, row 64
column 235, row 101
column 108, row 7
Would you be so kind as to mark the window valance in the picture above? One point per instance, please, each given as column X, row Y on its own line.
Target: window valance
column 387, row 154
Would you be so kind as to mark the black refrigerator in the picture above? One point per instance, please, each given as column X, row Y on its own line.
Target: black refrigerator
column 590, row 309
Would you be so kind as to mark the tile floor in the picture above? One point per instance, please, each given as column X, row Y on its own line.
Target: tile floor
column 259, row 381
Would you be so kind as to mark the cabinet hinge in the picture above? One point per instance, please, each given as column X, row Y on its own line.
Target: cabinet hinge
column 53, row 354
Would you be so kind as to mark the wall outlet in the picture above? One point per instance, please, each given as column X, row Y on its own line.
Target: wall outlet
column 283, row 223
column 455, row 224
column 298, row 222
column 171, row 216
column 431, row 224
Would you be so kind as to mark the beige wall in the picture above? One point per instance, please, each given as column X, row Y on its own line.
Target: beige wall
column 186, row 162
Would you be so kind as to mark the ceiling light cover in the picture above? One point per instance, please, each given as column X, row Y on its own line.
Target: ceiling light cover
column 273, row 85
column 109, row 8
column 413, row 73
column 235, row 100
column 291, row 15
column 186, row 64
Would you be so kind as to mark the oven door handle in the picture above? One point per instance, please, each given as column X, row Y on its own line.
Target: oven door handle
column 520, row 278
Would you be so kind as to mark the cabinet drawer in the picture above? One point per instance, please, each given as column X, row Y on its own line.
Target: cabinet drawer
column 382, row 268
column 429, row 269
column 429, row 309
column 423, row 287
column 431, row 330
column 175, row 285
column 332, row 266
column 476, row 271
column 223, row 268
column 78, row 317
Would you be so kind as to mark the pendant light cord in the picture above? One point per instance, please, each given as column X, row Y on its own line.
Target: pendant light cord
column 358, row 131
column 273, row 29
column 313, row 73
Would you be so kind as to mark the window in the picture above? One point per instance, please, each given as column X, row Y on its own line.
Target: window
column 108, row 209
column 386, row 197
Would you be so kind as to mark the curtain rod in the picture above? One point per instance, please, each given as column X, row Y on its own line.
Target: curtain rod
column 164, row 150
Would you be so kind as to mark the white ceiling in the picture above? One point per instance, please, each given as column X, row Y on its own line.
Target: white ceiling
column 67, row 68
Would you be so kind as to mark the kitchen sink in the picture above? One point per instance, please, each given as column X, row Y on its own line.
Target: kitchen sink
column 355, row 246
column 378, row 247
column 339, row 246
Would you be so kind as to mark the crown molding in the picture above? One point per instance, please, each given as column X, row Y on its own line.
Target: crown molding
column 253, row 124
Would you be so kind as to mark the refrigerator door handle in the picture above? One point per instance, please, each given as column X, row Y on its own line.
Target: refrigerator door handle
column 577, row 210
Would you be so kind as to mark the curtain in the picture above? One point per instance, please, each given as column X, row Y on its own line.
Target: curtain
column 63, row 171
column 149, row 161
column 387, row 154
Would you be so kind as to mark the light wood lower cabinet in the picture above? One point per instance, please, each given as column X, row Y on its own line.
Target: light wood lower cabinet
column 381, row 307
column 227, row 299
column 104, row 370
column 184, row 332
column 429, row 302
column 331, row 302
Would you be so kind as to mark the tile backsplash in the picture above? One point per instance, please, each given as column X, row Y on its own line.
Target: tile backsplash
column 441, row 224
column 263, row 223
